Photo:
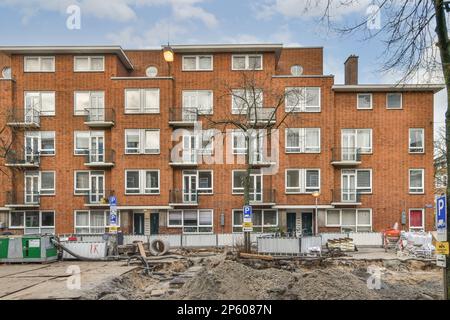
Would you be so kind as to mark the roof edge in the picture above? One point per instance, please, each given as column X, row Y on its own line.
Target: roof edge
column 388, row 87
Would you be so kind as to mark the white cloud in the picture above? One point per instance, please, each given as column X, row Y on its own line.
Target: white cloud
column 308, row 8
column 116, row 10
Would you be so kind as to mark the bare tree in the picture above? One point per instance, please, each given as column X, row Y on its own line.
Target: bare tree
column 440, row 161
column 250, row 119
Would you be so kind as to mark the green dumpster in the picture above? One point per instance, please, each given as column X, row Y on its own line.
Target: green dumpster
column 27, row 248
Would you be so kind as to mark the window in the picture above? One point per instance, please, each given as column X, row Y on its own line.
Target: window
column 416, row 220
column 239, row 143
column 247, row 62
column 350, row 220
column 142, row 182
column 205, row 182
column 302, row 180
column 416, row 141
column 87, row 100
column 39, row 64
column 89, row 64
column 242, row 99
column 239, row 179
column 302, row 99
column 141, row 100
column 82, row 141
column 360, row 139
column 93, row 221
column 207, row 147
column 416, row 181
column 394, row 101
column 197, row 63
column 362, row 178
column 46, row 142
column 41, row 101
column 34, row 222
column 261, row 219
column 144, row 141
column 302, row 140
column 47, row 183
column 364, row 101
column 192, row 221
column 83, row 179
column 200, row 100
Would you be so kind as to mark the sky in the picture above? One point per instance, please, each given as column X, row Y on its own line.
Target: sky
column 135, row 24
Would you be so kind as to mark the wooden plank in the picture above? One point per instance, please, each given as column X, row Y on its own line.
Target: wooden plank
column 141, row 249
column 255, row 256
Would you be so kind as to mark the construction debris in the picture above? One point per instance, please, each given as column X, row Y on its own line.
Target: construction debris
column 343, row 244
column 255, row 256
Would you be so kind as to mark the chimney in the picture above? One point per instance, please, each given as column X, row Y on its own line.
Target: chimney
column 351, row 70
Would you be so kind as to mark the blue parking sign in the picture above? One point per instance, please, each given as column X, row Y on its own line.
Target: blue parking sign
column 247, row 212
column 112, row 201
column 441, row 214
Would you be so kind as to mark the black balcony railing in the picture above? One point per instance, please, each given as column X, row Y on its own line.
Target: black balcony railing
column 98, row 197
column 183, row 115
column 24, row 117
column 262, row 195
column 22, row 198
column 22, row 157
column 180, row 196
column 100, row 116
column 346, row 196
column 346, row 154
column 100, row 156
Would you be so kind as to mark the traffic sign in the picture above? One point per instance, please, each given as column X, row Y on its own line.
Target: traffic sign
column 248, row 211
column 441, row 260
column 247, row 224
column 441, row 217
column 442, row 248
column 112, row 201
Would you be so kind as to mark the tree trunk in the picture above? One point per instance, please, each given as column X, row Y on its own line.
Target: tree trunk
column 443, row 43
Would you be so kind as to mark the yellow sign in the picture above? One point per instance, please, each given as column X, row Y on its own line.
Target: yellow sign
column 113, row 229
column 442, row 248
column 247, row 225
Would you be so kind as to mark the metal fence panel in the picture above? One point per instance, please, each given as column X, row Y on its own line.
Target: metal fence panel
column 94, row 250
column 331, row 236
column 129, row 239
column 369, row 239
column 309, row 242
column 199, row 240
column 279, row 245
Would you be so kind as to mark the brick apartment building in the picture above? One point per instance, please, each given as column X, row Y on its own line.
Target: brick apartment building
column 82, row 123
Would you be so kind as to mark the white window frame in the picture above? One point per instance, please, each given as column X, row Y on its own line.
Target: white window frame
column 142, row 141
column 91, row 94
column 38, row 134
column 357, row 132
column 357, row 188
column 197, row 62
column 26, row 70
column 52, row 192
column 83, row 192
column 371, row 101
column 302, row 107
column 105, row 220
column 240, row 190
column 197, row 107
column 423, row 219
column 357, row 225
column 24, row 212
column 423, row 181
column 248, row 94
column 142, row 102
column 412, row 149
column 262, row 219
column 89, row 63
column 387, row 100
column 182, row 226
column 88, row 135
column 142, row 173
column 40, row 93
column 247, row 63
column 302, row 141
column 302, row 180
column 208, row 191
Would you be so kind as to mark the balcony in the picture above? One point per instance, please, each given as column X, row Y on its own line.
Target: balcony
column 24, row 158
column 100, row 158
column 100, row 117
column 179, row 197
column 346, row 157
column 22, row 199
column 262, row 197
column 97, row 198
column 24, row 118
column 262, row 116
column 183, row 117
column 188, row 159
column 346, row 197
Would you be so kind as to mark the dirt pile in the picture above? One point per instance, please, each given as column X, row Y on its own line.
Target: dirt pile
column 234, row 280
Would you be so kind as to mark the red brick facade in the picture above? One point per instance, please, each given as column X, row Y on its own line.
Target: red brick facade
column 389, row 160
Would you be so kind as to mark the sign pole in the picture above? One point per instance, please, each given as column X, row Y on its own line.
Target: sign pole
column 442, row 254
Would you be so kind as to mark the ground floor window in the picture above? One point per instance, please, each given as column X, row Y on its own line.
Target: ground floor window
column 350, row 220
column 192, row 221
column 33, row 222
column 263, row 220
column 416, row 220
column 93, row 221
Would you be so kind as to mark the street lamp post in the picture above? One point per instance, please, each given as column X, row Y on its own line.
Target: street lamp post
column 316, row 195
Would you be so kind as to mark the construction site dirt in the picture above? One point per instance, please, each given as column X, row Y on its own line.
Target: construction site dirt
column 225, row 276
